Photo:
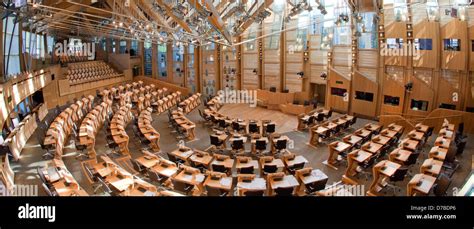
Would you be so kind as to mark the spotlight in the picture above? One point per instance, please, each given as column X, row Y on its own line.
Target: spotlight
column 323, row 75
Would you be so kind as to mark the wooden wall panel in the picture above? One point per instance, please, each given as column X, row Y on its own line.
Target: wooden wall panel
column 471, row 48
column 428, row 58
column 470, row 92
column 454, row 60
column 392, row 88
column 316, row 71
column 396, row 30
column 449, row 85
column 423, row 92
column 362, row 83
column 249, row 78
column 336, row 80
column 272, row 75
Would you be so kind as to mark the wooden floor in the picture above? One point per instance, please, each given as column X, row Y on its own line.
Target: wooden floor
column 284, row 122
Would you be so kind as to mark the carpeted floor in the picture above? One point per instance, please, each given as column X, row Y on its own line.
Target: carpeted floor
column 31, row 157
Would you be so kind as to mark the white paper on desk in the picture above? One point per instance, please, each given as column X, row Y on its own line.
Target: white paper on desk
column 225, row 181
column 199, row 178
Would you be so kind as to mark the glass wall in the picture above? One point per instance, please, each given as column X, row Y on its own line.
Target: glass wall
column 123, row 47
column 191, row 79
column 147, row 53
column 162, row 61
column 11, row 52
column 134, row 48
column 367, row 30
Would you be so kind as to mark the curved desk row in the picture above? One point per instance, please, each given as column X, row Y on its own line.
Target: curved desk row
column 191, row 103
column 91, row 125
column 62, row 126
column 117, row 127
column 145, row 127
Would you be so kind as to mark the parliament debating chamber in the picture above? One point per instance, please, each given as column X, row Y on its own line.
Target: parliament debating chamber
column 237, row 97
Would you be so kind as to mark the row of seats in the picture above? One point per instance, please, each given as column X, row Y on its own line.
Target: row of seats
column 117, row 126
column 72, row 59
column 145, row 132
column 312, row 118
column 90, row 71
column 114, row 180
column 91, row 124
column 7, row 176
column 64, row 124
column 56, row 180
column 194, row 172
column 190, row 103
column 184, row 127
column 331, row 128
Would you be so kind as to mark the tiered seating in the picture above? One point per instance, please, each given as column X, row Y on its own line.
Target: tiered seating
column 72, row 59
column 58, row 181
column 7, row 176
column 90, row 71
column 91, row 125
column 117, row 127
column 191, row 103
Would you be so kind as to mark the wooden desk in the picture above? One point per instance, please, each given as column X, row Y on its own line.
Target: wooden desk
column 382, row 140
column 410, row 144
column 147, row 161
column 352, row 139
column 420, row 184
column 416, row 135
column 165, row 169
column 274, row 162
column 372, row 147
column 438, row 153
column 373, row 127
column 315, row 133
column 65, row 189
column 395, row 127
column 287, row 181
column 295, row 161
column 254, row 184
column 335, row 149
column 250, row 163
column 195, row 179
column 228, row 163
column 422, row 128
column 119, row 184
column 363, row 133
column 354, row 158
column 431, row 167
column 388, row 133
column 443, row 142
column 382, row 171
column 224, row 183
column 314, row 176
column 400, row 155
column 183, row 154
column 202, row 159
